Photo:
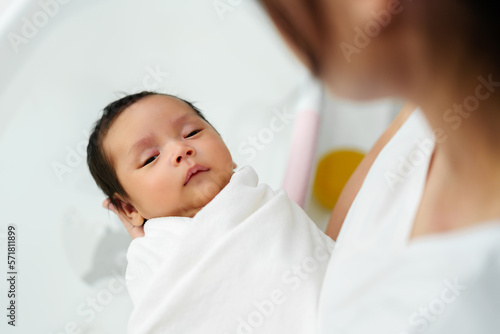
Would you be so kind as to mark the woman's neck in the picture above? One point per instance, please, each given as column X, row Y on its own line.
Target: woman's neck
column 465, row 115
column 463, row 184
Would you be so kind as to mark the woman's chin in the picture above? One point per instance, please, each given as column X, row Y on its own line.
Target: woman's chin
column 356, row 91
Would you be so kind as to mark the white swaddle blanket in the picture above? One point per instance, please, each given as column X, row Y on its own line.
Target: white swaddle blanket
column 251, row 261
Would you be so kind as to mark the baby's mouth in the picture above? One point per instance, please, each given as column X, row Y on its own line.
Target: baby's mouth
column 193, row 171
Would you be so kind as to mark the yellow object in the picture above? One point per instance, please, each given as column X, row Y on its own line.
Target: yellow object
column 334, row 170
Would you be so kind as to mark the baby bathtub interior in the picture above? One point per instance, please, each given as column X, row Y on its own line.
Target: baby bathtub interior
column 63, row 61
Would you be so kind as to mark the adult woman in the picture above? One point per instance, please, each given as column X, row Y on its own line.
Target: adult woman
column 420, row 246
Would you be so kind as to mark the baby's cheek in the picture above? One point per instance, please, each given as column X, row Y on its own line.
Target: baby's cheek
column 157, row 193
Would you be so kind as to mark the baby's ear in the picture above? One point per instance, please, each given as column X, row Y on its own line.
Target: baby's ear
column 128, row 212
column 234, row 165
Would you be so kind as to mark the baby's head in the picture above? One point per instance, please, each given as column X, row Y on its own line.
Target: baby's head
column 155, row 155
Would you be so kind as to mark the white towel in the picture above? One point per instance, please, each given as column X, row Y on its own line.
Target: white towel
column 251, row 261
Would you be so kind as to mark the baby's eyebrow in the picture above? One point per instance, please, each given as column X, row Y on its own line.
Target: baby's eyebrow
column 143, row 142
column 140, row 144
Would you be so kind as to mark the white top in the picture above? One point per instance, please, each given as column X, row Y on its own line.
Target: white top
column 378, row 281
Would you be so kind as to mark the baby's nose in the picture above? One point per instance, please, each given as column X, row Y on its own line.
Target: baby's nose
column 183, row 153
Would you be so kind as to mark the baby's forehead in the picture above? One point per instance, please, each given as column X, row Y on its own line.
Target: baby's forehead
column 157, row 106
column 150, row 112
column 162, row 102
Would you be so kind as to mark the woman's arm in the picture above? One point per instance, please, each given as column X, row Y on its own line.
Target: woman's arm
column 352, row 186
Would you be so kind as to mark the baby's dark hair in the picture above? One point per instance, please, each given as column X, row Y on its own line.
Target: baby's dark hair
column 100, row 166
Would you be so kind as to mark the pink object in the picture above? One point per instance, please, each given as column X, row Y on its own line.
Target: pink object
column 303, row 148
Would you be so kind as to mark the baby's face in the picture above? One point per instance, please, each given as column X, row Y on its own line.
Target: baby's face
column 169, row 161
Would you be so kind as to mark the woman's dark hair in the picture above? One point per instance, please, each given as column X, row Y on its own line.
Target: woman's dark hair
column 287, row 24
column 477, row 20
column 99, row 164
column 484, row 32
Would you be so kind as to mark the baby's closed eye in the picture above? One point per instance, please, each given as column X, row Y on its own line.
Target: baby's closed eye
column 192, row 133
column 150, row 160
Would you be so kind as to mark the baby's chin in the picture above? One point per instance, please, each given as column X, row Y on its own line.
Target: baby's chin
column 204, row 195
column 199, row 197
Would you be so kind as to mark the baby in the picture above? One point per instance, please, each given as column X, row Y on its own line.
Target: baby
column 169, row 159
column 221, row 253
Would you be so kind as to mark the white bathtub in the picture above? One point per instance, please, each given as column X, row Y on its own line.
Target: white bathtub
column 60, row 65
